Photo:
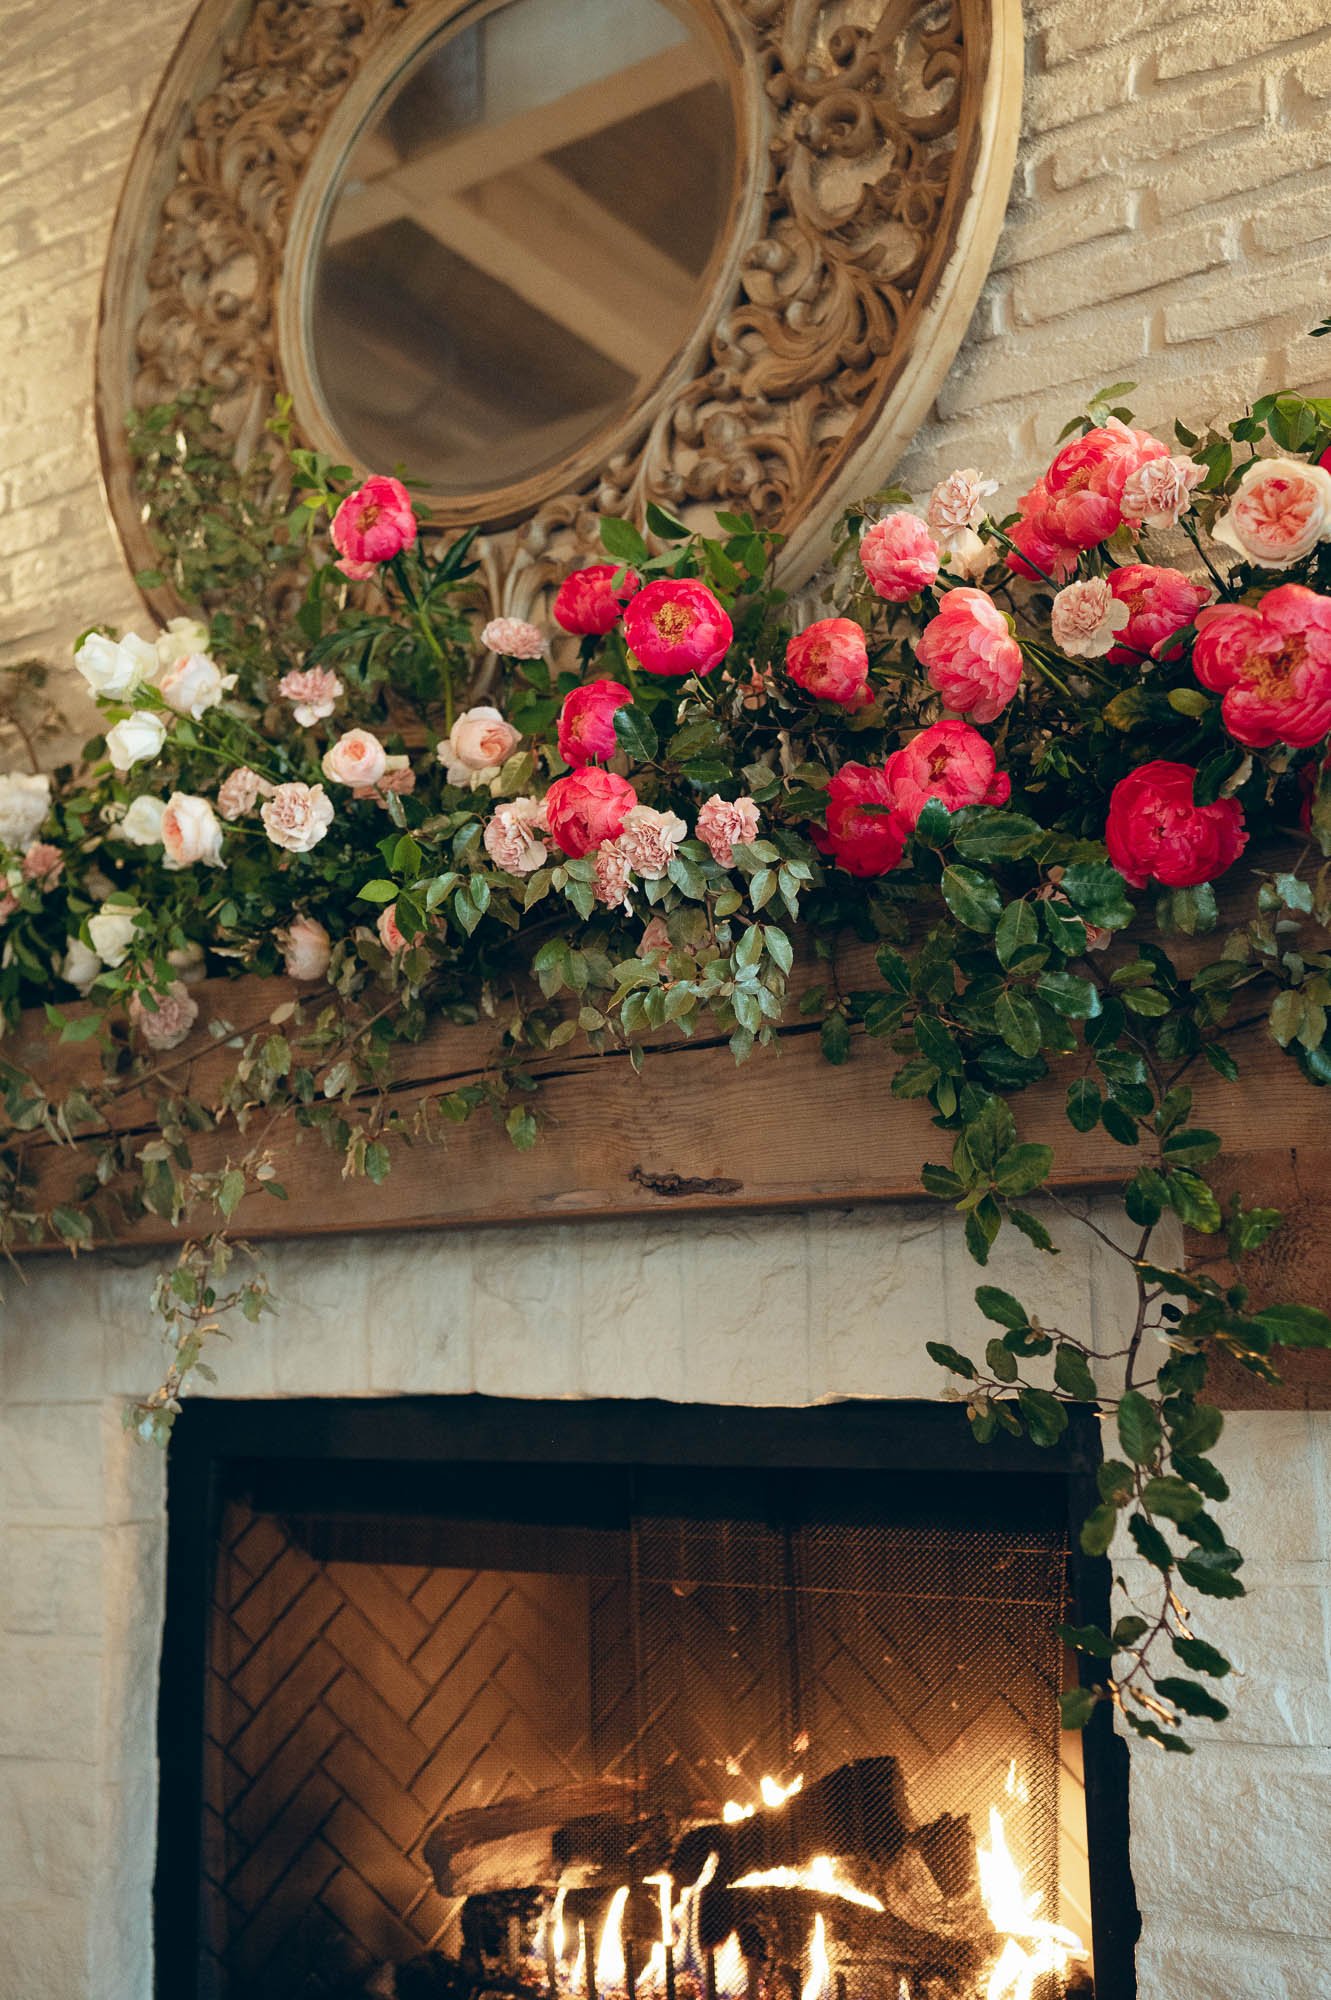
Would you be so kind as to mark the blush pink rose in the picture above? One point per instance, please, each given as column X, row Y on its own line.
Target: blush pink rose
column 306, row 947
column 613, row 874
column 357, row 758
column 587, row 722
column 1086, row 617
column 194, row 685
column 164, row 1021
column 477, row 747
column 725, row 823
column 1271, row 662
column 240, row 791
column 513, row 836
column 589, row 603
column 950, row 762
column 675, row 626
column 43, row 864
column 1280, row 512
column 970, row 655
column 830, row 660
column 513, row 639
column 190, row 832
column 315, row 692
column 900, row 557
column 587, row 808
column 390, row 937
column 865, row 833
column 1156, row 833
column 1160, row 603
column 373, row 524
column 397, row 776
column 297, row 816
column 649, row 840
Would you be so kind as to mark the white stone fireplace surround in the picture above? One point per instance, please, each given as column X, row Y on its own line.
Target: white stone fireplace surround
column 1231, row 1849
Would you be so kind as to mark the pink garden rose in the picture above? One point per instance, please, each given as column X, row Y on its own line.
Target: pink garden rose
column 163, row 1021
column 390, row 937
column 970, row 655
column 357, row 758
column 297, row 817
column 397, row 776
column 1086, row 618
column 586, row 731
column 1159, row 492
column 305, row 946
column 477, row 747
column 513, row 639
column 589, row 603
column 1280, row 512
column 513, row 836
column 240, row 791
column 1271, row 662
column 190, row 832
column 866, row 834
column 676, row 626
column 373, row 524
column 315, row 692
column 614, row 872
column 1160, row 603
column 725, row 823
column 649, row 839
column 43, row 864
column 194, row 685
column 900, row 557
column 830, row 660
column 587, row 808
column 1156, row 833
column 950, row 762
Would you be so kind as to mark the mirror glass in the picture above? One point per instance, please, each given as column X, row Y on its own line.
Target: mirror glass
column 517, row 241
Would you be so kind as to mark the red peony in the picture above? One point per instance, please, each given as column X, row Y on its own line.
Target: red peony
column 1156, row 833
column 970, row 654
column 587, row 721
column 900, row 557
column 586, row 808
column 950, row 762
column 589, row 602
column 373, row 524
column 830, row 660
column 1272, row 663
column 676, row 626
column 865, row 834
column 1160, row 603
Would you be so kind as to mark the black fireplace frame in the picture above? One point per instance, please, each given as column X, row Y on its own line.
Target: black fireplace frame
column 215, row 1440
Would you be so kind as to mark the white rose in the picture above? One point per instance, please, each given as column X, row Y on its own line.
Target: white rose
column 1281, row 510
column 25, row 800
column 115, row 667
column 182, row 636
column 80, row 966
column 191, row 831
column 477, row 747
column 357, row 758
column 142, row 823
column 112, row 933
column 194, row 685
column 136, row 740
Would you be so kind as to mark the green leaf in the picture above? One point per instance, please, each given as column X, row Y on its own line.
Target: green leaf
column 834, row 1038
column 934, row 825
column 1099, row 893
column 973, row 898
column 948, row 1357
column 1116, row 1482
column 664, row 526
column 1073, row 1375
column 991, row 833
column 1193, row 1146
column 1138, row 1427
column 1001, row 1307
column 635, row 734
column 1074, row 998
column 1066, row 932
column 230, row 1191
column 1191, row 1697
column 1129, row 1630
column 1098, row 1529
column 521, row 1128
column 377, row 1162
column 1017, row 933
column 1203, row 1659
column 1172, row 1497
column 1083, row 1104
column 1193, row 1201
column 1150, row 1542
column 1022, row 1168
column 1018, row 1023
column 378, row 891
column 1119, row 1124
column 1032, row 1228
column 1296, row 1326
column 1046, row 1418
column 1087, row 1639
column 1001, row 1361
column 1076, row 1706
column 1209, row 1581
column 622, row 541
column 1168, row 1739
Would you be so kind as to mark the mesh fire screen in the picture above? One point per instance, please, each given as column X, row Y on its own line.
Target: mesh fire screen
column 598, row 1733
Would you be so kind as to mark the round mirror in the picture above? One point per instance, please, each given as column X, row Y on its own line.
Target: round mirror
column 518, row 240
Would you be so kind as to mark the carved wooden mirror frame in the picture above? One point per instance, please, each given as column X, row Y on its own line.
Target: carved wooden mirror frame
column 875, row 149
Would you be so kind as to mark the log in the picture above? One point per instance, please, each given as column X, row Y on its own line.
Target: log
column 526, row 1842
column 859, row 1809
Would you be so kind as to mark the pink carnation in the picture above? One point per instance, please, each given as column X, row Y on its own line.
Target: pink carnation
column 513, row 836
column 1086, row 617
column 725, row 823
column 1157, row 493
column 649, row 840
column 167, row 1019
column 239, row 791
column 900, row 557
column 950, row 762
column 513, row 639
column 315, row 692
column 970, row 654
column 613, row 873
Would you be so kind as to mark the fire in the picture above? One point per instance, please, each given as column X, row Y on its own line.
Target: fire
column 610, row 1968
column 731, row 1974
column 819, row 1982
column 772, row 1793
column 1031, row 1944
column 819, row 1874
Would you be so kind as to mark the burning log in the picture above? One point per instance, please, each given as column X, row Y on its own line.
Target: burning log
column 860, row 1809
column 566, row 1829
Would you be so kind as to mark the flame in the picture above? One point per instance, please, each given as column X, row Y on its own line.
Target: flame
column 731, row 1972
column 610, row 1966
column 819, row 1982
column 577, row 1979
column 732, row 1812
column 1031, row 1944
column 653, row 1973
column 774, row 1794
column 556, row 1926
column 1015, row 1787
column 819, row 1874
column 903, row 1988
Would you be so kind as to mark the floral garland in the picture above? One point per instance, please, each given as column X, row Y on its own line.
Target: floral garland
column 1002, row 732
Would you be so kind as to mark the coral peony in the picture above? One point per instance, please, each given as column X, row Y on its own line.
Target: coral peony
column 1035, row 553
column 1155, row 832
column 315, row 692
column 587, row 722
column 306, row 947
column 477, row 747
column 1279, row 513
column 513, row 836
column 649, row 840
column 1086, row 618
column 297, row 817
column 587, row 808
column 373, row 524
column 950, row 762
column 162, row 1020
column 513, row 639
column 970, row 655
column 900, row 557
column 724, row 823
column 830, row 660
column 190, row 832
column 1078, row 502
column 1160, row 603
column 1272, row 663
column 357, row 758
column 589, row 603
column 865, row 835
column 676, row 626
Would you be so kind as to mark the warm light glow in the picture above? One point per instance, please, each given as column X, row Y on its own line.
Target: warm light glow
column 557, row 1924
column 1015, row 1787
column 731, row 1972
column 1032, row 1945
column 652, row 1976
column 732, row 1812
column 819, row 1982
column 610, row 1958
column 819, row 1874
column 772, row 1794
column 577, row 1979
column 903, row 1988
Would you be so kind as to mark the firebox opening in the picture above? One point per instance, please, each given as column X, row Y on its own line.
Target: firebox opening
column 558, row 1729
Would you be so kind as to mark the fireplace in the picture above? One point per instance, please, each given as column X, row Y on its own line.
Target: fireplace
column 578, row 1701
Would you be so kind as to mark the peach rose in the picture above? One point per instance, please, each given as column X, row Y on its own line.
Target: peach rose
column 163, row 1020
column 1086, row 618
column 724, row 822
column 305, row 947
column 477, row 747
column 513, row 836
column 190, row 832
column 654, row 942
column 297, row 817
column 398, row 777
column 649, row 840
column 1282, row 509
column 390, row 937
column 357, row 758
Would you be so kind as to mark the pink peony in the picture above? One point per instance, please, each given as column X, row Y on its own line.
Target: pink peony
column 724, row 823
column 950, row 762
column 513, row 639
column 900, row 557
column 357, row 758
column 297, row 817
column 676, row 626
column 1155, row 832
column 477, row 747
column 649, row 840
column 1280, row 512
column 1086, row 617
column 614, row 872
column 1160, row 603
column 1036, row 554
column 43, row 864
column 190, row 832
column 866, row 834
column 587, row 722
column 970, row 655
column 164, row 1020
column 239, row 791
column 1272, row 663
column 305, row 946
column 1160, row 491
column 373, row 524
column 587, row 808
column 315, row 692
column 390, row 937
column 589, row 603
column 830, row 660
column 513, row 836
